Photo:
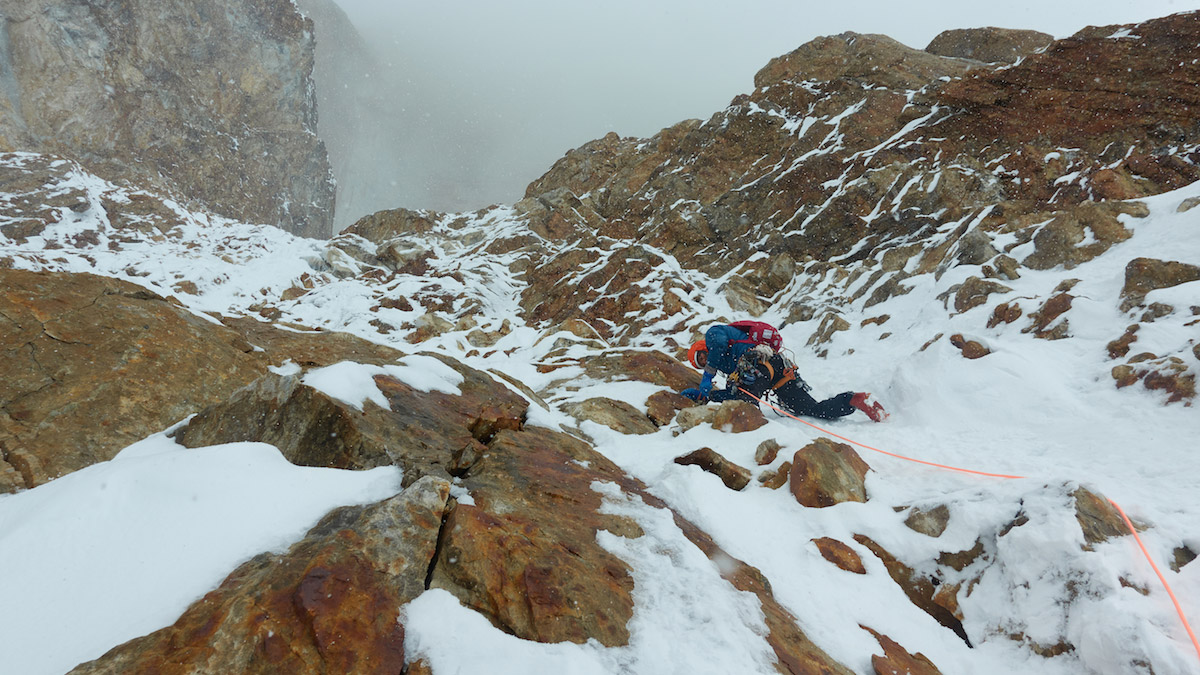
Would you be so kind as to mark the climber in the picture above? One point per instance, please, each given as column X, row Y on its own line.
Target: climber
column 755, row 369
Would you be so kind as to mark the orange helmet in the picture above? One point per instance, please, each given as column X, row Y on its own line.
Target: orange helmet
column 697, row 347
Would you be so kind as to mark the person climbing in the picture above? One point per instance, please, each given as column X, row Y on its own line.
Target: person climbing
column 753, row 368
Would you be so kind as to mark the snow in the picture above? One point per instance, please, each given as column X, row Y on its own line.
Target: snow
column 121, row 548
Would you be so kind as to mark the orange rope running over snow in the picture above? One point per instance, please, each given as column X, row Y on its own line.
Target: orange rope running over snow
column 1128, row 523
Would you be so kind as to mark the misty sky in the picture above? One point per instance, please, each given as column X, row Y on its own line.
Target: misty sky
column 490, row 94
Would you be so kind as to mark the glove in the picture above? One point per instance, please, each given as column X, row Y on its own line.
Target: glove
column 694, row 394
column 706, row 384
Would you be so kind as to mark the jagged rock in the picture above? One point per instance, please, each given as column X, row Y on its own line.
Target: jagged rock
column 309, row 348
column 695, row 416
column 214, row 102
column 1042, row 322
column 896, row 660
column 733, row 476
column 1169, row 375
column 825, row 473
column 617, row 415
column 1079, row 234
column 872, row 59
column 766, row 452
column 650, row 366
column 919, row 589
column 662, row 406
column 424, row 433
column 1098, row 519
column 831, row 323
column 840, row 554
column 1181, row 556
column 1120, row 347
column 1143, row 275
column 974, row 292
column 776, row 479
column 525, row 553
column 930, row 522
column 330, row 604
column 91, row 364
column 989, row 45
column 737, row 417
column 1007, row 312
column 970, row 348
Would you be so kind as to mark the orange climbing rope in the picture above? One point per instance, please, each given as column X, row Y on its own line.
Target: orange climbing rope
column 1128, row 523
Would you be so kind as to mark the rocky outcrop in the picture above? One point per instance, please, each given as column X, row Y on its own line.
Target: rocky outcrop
column 331, row 603
column 855, row 143
column 989, row 45
column 91, row 364
column 825, row 473
column 424, row 433
column 209, row 101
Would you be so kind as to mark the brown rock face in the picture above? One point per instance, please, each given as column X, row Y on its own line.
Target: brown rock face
column 825, row 473
column 990, row 45
column 525, row 553
column 1143, row 275
column 738, row 417
column 329, row 605
column 91, row 364
column 897, row 660
column 613, row 414
column 970, row 349
column 422, row 432
column 840, row 554
column 733, row 476
column 211, row 100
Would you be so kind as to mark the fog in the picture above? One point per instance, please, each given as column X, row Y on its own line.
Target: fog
column 458, row 104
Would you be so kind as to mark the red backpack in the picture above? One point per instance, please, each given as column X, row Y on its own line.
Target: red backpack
column 760, row 333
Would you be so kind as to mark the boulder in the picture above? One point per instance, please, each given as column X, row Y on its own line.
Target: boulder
column 662, row 406
column 825, row 473
column 1143, row 275
column 617, row 415
column 840, row 554
column 733, row 476
column 424, row 433
column 766, row 452
column 331, row 603
column 917, row 586
column 930, row 522
column 989, row 45
column 650, row 366
column 738, row 417
column 974, row 292
column 970, row 349
column 91, row 364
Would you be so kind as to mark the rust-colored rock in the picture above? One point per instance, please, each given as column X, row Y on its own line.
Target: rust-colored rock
column 617, row 415
column 970, row 348
column 1097, row 517
column 650, row 366
column 974, row 292
column 825, row 473
column 990, row 45
column 1120, row 347
column 1042, row 322
column 919, row 589
column 421, row 432
column 662, row 406
column 1007, row 312
column 840, row 554
column 1143, row 275
column 330, row 604
column 773, row 480
column 930, row 522
column 733, row 476
column 91, row 364
column 897, row 660
column 766, row 452
column 738, row 417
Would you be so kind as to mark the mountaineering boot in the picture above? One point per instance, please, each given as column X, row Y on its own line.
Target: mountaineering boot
column 862, row 401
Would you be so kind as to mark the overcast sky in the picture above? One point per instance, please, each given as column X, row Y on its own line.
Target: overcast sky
column 493, row 92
